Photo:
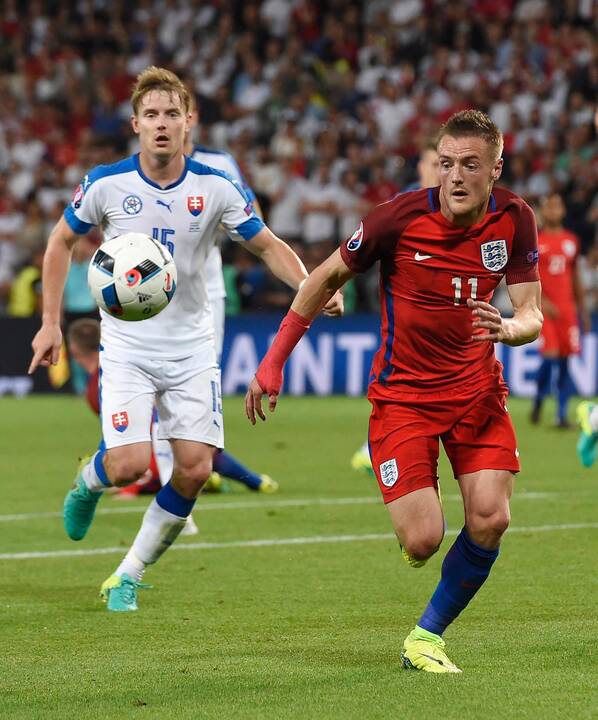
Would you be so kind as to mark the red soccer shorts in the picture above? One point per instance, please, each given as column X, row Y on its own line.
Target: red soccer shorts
column 476, row 432
column 560, row 336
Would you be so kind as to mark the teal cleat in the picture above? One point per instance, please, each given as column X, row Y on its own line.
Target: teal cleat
column 586, row 443
column 79, row 506
column 120, row 592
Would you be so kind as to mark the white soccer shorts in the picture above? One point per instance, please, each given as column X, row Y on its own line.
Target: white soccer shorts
column 188, row 401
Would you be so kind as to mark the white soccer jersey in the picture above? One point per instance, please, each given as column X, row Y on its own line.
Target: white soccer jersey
column 221, row 161
column 183, row 216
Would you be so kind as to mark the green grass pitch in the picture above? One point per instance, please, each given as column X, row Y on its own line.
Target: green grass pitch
column 309, row 622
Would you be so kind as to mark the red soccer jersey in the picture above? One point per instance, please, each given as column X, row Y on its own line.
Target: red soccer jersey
column 558, row 253
column 428, row 269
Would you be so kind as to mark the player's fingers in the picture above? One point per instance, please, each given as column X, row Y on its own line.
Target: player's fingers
column 257, row 404
column 55, row 354
column 249, row 407
column 485, row 337
column 272, row 400
column 35, row 361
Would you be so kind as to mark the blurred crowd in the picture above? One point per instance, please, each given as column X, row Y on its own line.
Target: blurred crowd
column 327, row 107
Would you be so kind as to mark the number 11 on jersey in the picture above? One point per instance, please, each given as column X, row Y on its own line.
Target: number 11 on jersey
column 458, row 282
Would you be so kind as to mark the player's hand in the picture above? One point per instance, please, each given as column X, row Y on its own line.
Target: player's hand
column 267, row 380
column 486, row 317
column 46, row 347
column 335, row 307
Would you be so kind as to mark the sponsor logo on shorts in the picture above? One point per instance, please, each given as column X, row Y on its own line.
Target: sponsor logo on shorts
column 356, row 239
column 389, row 472
column 120, row 421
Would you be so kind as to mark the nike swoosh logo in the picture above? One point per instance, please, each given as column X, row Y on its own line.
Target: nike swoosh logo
column 418, row 256
column 430, row 657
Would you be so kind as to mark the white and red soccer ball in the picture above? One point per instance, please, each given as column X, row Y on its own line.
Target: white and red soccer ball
column 132, row 276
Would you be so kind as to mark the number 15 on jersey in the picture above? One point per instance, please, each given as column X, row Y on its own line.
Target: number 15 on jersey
column 161, row 235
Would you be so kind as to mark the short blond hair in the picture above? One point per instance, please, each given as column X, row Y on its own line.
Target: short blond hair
column 474, row 123
column 156, row 78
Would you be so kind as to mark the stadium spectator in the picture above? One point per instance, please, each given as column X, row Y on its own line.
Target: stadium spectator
column 298, row 70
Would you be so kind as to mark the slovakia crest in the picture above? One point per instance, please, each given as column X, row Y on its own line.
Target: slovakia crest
column 132, row 204
column 494, row 255
column 195, row 204
column 389, row 472
column 120, row 421
column 356, row 239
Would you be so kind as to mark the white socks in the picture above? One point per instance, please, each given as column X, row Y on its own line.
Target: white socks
column 158, row 531
column 90, row 477
column 594, row 419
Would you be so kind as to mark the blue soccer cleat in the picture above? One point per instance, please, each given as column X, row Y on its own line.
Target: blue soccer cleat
column 79, row 506
column 586, row 443
column 120, row 592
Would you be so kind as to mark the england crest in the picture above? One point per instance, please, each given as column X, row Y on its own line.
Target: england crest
column 195, row 204
column 120, row 421
column 494, row 255
column 389, row 472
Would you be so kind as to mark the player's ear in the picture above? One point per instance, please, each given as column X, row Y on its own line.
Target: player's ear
column 135, row 124
column 497, row 169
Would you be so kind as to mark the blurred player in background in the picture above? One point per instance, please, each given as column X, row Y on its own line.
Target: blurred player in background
column 563, row 304
column 428, row 176
column 168, row 361
column 442, row 253
column 587, row 417
column 224, row 463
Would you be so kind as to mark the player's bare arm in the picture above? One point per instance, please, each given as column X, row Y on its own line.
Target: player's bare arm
column 48, row 340
column 522, row 328
column 287, row 266
column 322, row 285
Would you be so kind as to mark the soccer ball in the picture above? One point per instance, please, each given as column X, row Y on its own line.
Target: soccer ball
column 132, row 277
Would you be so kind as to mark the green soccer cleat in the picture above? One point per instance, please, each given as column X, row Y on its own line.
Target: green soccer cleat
column 216, row 484
column 410, row 560
column 423, row 650
column 267, row 485
column 79, row 506
column 586, row 443
column 120, row 592
column 361, row 460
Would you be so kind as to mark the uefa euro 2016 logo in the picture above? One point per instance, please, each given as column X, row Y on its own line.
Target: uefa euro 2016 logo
column 132, row 205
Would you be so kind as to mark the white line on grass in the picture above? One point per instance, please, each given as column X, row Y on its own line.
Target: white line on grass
column 245, row 505
column 274, row 542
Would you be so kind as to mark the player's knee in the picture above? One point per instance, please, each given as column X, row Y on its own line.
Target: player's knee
column 194, row 475
column 126, row 470
column 421, row 547
column 489, row 527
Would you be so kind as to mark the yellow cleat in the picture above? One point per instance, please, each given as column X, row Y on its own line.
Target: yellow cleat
column 361, row 460
column 423, row 650
column 267, row 485
column 215, row 484
column 410, row 560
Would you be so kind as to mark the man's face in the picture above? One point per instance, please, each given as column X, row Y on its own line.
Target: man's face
column 553, row 210
column 161, row 123
column 468, row 169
